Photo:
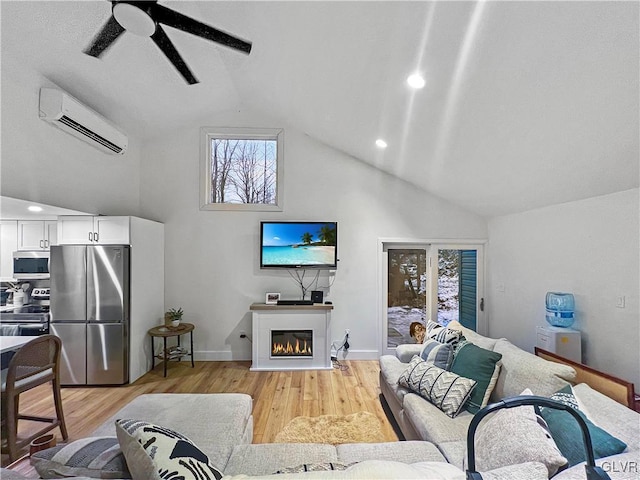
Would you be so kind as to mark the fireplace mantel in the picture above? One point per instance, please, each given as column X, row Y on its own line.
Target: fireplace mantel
column 266, row 318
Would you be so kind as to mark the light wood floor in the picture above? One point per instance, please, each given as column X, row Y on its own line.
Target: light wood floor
column 278, row 396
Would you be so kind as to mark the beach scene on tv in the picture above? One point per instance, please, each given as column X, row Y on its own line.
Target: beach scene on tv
column 299, row 244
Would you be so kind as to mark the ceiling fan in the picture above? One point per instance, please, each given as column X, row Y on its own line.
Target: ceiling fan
column 144, row 18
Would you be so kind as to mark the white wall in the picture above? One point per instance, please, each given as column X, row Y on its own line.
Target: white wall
column 589, row 248
column 44, row 164
column 212, row 257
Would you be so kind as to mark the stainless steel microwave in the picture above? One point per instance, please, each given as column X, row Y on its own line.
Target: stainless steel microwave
column 30, row 264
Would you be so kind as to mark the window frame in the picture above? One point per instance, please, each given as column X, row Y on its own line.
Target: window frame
column 207, row 134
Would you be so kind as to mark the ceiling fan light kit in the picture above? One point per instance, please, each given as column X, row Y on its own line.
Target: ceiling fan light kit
column 133, row 19
column 143, row 18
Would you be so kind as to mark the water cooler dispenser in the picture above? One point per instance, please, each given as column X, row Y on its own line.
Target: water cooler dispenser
column 557, row 337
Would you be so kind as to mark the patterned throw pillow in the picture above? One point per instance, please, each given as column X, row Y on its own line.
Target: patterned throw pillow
column 436, row 353
column 442, row 334
column 445, row 390
column 567, row 433
column 95, row 457
column 155, row 453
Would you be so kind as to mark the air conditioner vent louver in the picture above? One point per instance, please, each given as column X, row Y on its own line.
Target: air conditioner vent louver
column 94, row 136
column 68, row 114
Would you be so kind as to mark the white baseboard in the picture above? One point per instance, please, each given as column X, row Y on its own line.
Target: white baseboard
column 228, row 356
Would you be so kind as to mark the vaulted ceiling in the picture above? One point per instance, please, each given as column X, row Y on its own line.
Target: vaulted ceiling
column 526, row 104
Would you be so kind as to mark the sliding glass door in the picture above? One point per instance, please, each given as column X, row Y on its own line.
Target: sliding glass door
column 457, row 286
column 429, row 281
column 406, row 293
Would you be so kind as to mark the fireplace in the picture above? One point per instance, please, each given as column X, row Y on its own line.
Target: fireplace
column 290, row 326
column 291, row 343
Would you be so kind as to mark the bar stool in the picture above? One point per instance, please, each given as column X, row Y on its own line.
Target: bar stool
column 35, row 363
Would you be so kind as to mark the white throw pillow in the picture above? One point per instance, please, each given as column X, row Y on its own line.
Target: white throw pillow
column 445, row 390
column 515, row 435
column 155, row 453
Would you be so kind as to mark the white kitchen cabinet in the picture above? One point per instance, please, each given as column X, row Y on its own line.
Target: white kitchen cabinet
column 93, row 230
column 8, row 245
column 36, row 234
column 111, row 230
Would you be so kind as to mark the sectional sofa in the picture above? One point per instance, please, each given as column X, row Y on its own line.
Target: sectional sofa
column 419, row 419
column 221, row 426
column 211, row 434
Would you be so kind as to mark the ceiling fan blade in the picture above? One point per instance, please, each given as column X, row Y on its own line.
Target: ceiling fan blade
column 160, row 38
column 187, row 24
column 105, row 37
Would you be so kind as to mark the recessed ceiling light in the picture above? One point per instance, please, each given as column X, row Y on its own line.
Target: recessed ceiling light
column 381, row 143
column 34, row 208
column 416, row 80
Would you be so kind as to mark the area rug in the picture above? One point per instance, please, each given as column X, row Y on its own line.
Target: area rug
column 360, row 427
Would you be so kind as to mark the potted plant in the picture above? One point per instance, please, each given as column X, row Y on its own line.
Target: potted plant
column 173, row 316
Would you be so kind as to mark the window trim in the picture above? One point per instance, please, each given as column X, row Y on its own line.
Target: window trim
column 209, row 133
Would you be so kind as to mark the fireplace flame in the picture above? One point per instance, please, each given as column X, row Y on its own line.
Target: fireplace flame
column 289, row 349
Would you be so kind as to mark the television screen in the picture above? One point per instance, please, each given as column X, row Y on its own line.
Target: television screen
column 298, row 244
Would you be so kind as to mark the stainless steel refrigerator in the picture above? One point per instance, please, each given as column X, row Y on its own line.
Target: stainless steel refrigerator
column 90, row 312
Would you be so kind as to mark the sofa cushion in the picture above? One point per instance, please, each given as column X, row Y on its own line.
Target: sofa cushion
column 95, row 457
column 432, row 424
column 390, row 370
column 445, row 390
column 455, row 452
column 231, row 424
column 154, row 452
column 522, row 370
column 406, row 351
column 481, row 365
column 267, row 458
column 567, row 433
column 515, row 435
column 374, row 469
column 406, row 452
column 384, row 469
column 615, row 418
column 436, row 353
column 624, row 466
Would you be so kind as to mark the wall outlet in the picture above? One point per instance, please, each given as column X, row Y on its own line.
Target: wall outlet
column 243, row 334
column 620, row 301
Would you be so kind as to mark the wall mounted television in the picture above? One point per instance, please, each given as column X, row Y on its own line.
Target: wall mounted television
column 299, row 245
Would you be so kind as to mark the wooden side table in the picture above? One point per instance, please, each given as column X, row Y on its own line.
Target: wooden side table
column 165, row 332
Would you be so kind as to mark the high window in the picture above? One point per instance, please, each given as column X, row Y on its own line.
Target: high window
column 241, row 169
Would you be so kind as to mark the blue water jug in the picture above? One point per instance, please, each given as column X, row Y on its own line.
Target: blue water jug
column 560, row 309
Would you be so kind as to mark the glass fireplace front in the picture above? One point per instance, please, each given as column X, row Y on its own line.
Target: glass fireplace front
column 291, row 343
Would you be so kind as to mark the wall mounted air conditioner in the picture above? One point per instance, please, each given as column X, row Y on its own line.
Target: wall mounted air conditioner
column 67, row 113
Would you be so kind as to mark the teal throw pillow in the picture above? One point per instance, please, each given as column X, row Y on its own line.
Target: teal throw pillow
column 567, row 434
column 481, row 365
